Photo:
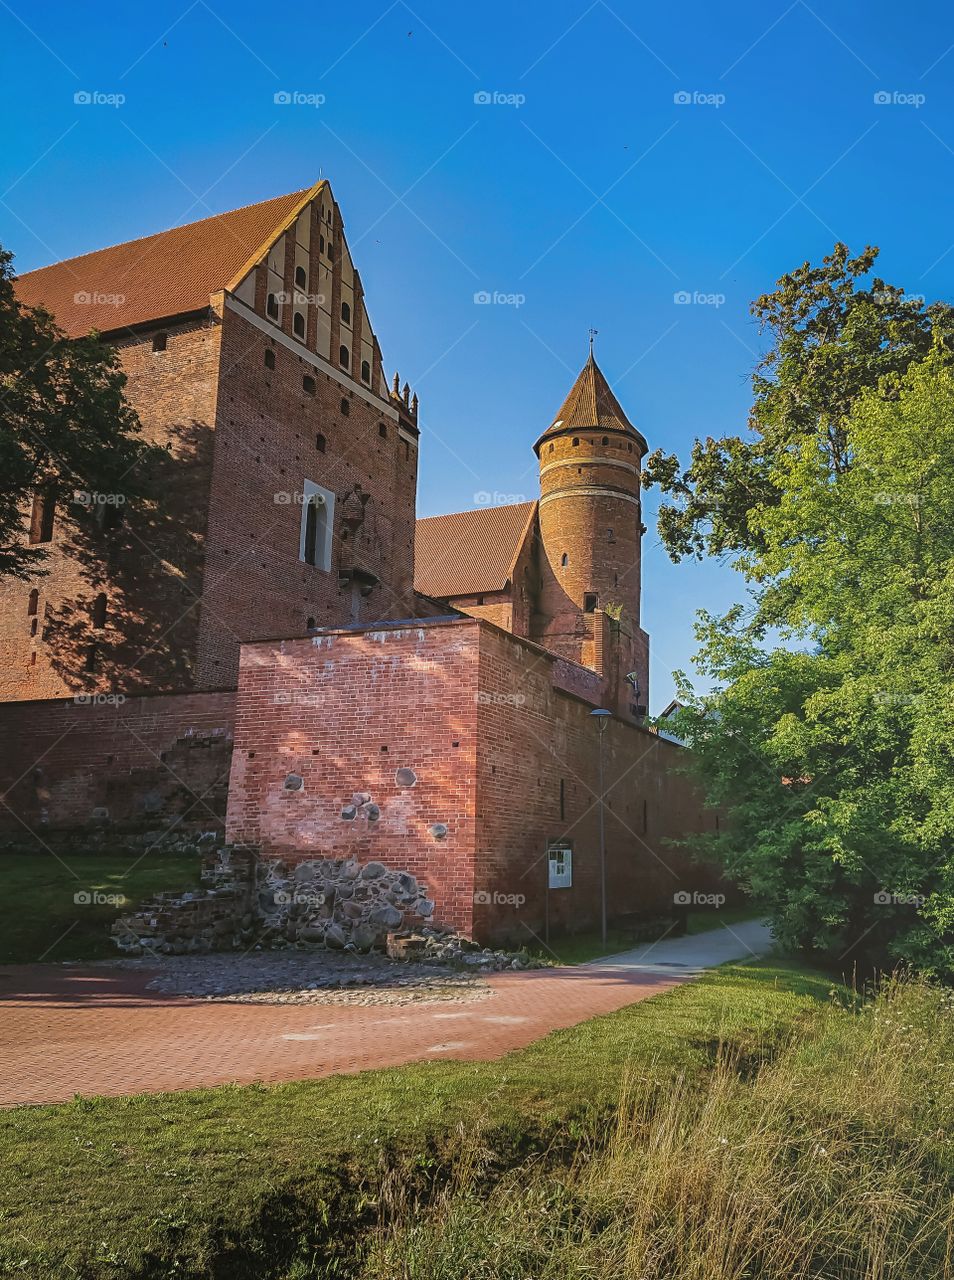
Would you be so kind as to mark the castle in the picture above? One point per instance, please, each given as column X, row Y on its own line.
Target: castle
column 276, row 644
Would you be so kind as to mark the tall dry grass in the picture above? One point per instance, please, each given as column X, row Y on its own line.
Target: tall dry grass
column 833, row 1161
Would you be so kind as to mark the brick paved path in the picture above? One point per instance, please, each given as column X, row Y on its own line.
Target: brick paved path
column 98, row 1031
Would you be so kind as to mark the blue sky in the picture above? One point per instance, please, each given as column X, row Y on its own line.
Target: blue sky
column 628, row 154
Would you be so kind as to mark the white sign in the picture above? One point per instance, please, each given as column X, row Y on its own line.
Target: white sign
column 560, row 860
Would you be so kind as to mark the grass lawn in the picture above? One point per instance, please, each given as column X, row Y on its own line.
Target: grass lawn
column 283, row 1182
column 41, row 919
column 578, row 948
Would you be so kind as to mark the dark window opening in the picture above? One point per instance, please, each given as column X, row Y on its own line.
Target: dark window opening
column 34, row 623
column 308, row 385
column 564, row 560
column 269, row 359
column 365, row 370
column 344, row 357
column 311, row 533
column 382, row 430
column 33, row 658
column 321, row 243
column 271, row 307
column 89, row 663
column 320, row 442
column 605, row 441
column 645, row 816
column 33, row 603
column 99, row 610
column 576, row 441
column 345, row 406
column 159, row 341
column 346, row 312
column 310, row 624
column 298, row 325
column 301, row 278
column 551, row 448
column 109, row 517
column 41, row 519
column 590, row 600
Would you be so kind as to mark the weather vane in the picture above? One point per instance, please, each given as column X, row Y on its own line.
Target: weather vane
column 593, row 333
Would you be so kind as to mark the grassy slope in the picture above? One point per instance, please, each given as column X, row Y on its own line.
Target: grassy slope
column 241, row 1174
column 578, row 948
column 39, row 918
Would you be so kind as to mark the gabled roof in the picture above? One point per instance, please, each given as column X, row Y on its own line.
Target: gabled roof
column 468, row 553
column 158, row 276
column 591, row 403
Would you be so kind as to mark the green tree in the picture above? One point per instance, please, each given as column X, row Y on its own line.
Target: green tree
column 834, row 758
column 66, row 424
column 834, row 333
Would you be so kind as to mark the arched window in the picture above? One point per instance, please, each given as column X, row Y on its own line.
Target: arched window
column 99, row 610
column 298, row 324
column 301, row 277
column 564, row 560
column 576, row 441
column 365, row 370
column 344, row 357
column 346, row 312
column 271, row 307
column 551, row 446
column 310, row 624
column 317, row 520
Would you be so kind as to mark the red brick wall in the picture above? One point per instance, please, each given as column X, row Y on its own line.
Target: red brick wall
column 256, row 585
column 474, row 712
column 157, row 762
column 150, row 569
column 344, row 712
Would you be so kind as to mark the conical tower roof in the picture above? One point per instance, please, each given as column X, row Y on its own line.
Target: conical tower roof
column 591, row 404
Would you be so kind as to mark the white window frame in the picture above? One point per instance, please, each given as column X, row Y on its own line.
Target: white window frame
column 311, row 490
column 560, row 864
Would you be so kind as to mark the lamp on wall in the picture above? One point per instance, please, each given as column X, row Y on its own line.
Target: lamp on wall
column 602, row 719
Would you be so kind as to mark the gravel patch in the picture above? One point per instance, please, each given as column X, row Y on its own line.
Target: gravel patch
column 312, row 977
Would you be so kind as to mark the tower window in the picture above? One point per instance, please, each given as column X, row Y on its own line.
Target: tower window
column 41, row 518
column 271, row 307
column 590, row 601
column 89, row 663
column 605, row 441
column 269, row 359
column 298, row 324
column 382, row 430
column 576, row 441
column 365, row 370
column 564, row 560
column 310, row 624
column 159, row 342
column 345, row 406
column 551, row 447
column 630, row 448
column 308, row 385
column 344, row 357
column 99, row 610
column 610, row 535
column 317, row 519
column 346, row 312
column 301, row 278
column 33, row 603
column 321, row 243
column 320, row 442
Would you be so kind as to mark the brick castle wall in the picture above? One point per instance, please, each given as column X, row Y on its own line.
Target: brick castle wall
column 501, row 757
column 159, row 762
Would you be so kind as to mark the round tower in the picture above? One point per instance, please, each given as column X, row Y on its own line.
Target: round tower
column 590, row 526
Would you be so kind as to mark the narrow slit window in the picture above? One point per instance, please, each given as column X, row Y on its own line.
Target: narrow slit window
column 99, row 610
column 41, row 518
column 344, row 356
column 365, row 370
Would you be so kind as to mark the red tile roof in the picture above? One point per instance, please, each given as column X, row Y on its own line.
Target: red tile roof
column 158, row 276
column 591, row 403
column 469, row 552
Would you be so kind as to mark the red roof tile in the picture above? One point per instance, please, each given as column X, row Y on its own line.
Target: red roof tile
column 469, row 552
column 158, row 276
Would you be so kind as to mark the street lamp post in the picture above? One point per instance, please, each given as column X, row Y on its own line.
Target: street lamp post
column 602, row 719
